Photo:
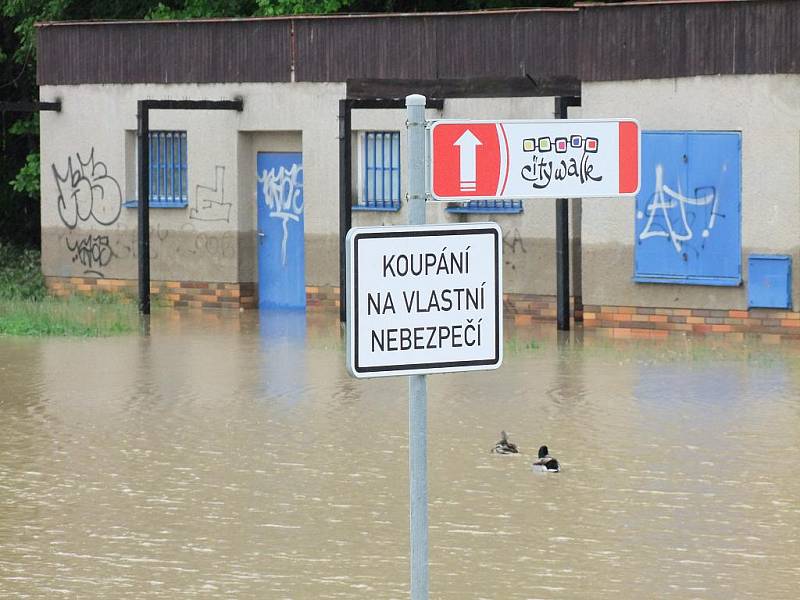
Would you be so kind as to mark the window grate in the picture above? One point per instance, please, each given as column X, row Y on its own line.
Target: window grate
column 381, row 189
column 168, row 173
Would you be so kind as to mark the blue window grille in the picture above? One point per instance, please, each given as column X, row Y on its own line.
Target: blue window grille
column 381, row 186
column 487, row 206
column 168, row 175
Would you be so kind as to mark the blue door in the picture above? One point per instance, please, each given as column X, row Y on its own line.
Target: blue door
column 660, row 231
column 688, row 210
column 715, row 184
column 281, row 254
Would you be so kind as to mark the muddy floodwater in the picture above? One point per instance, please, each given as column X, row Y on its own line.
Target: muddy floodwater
column 232, row 456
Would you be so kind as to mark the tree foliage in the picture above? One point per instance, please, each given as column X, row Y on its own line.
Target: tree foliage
column 19, row 166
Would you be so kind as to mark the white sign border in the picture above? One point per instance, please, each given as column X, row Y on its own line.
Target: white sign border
column 432, row 123
column 410, row 231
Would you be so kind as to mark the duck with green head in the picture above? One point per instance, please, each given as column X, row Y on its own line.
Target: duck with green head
column 546, row 463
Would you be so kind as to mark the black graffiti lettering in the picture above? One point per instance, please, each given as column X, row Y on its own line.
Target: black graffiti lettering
column 93, row 252
column 87, row 192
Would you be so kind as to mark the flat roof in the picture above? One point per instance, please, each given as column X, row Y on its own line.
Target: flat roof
column 498, row 11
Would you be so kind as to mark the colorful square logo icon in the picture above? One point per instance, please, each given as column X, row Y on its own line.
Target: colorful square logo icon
column 529, row 145
column 561, row 144
column 576, row 141
column 592, row 144
column 544, row 144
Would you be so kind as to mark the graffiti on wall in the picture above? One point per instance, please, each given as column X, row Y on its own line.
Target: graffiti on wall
column 210, row 202
column 283, row 195
column 93, row 252
column 668, row 213
column 88, row 194
column 86, row 191
column 206, row 244
column 512, row 243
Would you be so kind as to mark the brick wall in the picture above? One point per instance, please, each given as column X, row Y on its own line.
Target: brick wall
column 618, row 321
column 632, row 321
column 322, row 298
column 526, row 308
column 641, row 322
column 194, row 294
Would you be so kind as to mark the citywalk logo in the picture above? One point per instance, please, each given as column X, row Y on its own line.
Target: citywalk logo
column 547, row 166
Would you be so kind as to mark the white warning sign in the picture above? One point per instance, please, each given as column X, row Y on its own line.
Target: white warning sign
column 424, row 299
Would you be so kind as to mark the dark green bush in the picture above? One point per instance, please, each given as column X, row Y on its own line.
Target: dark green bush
column 20, row 273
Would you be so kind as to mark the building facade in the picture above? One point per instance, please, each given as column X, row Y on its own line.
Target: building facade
column 245, row 205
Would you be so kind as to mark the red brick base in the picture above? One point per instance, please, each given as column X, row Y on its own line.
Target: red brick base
column 641, row 322
column 526, row 308
column 631, row 321
column 619, row 321
column 322, row 298
column 194, row 294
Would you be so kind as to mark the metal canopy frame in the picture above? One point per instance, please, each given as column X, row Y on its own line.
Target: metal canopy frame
column 29, row 107
column 567, row 92
column 143, row 167
column 346, row 107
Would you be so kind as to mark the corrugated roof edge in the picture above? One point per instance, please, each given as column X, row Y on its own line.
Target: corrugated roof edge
column 43, row 24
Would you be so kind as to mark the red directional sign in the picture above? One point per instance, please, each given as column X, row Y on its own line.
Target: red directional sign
column 534, row 159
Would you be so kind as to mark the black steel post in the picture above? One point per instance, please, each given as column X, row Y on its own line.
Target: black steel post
column 345, row 198
column 144, row 206
column 562, row 263
column 562, row 234
column 29, row 107
column 143, row 176
column 576, row 251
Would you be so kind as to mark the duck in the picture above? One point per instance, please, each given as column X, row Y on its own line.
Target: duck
column 546, row 463
column 504, row 446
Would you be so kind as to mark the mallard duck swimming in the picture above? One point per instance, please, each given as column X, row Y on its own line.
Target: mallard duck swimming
column 504, row 446
column 546, row 463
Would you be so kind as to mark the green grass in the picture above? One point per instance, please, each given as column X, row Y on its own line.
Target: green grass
column 73, row 317
column 26, row 309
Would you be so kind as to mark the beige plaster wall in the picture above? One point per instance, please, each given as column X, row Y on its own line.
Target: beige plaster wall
column 89, row 232
column 766, row 110
column 100, row 122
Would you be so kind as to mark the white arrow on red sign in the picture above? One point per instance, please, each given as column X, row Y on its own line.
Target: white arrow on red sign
column 534, row 159
column 467, row 163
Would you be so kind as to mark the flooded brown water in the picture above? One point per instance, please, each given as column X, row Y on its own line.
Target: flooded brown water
column 230, row 457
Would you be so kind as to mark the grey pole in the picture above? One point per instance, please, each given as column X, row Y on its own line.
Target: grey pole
column 417, row 384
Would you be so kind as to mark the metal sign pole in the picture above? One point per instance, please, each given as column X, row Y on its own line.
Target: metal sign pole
column 417, row 384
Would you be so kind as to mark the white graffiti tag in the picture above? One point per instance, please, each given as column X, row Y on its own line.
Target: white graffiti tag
column 664, row 200
column 283, row 195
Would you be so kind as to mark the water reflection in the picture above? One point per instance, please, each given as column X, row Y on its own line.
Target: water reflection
column 232, row 455
column 283, row 342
